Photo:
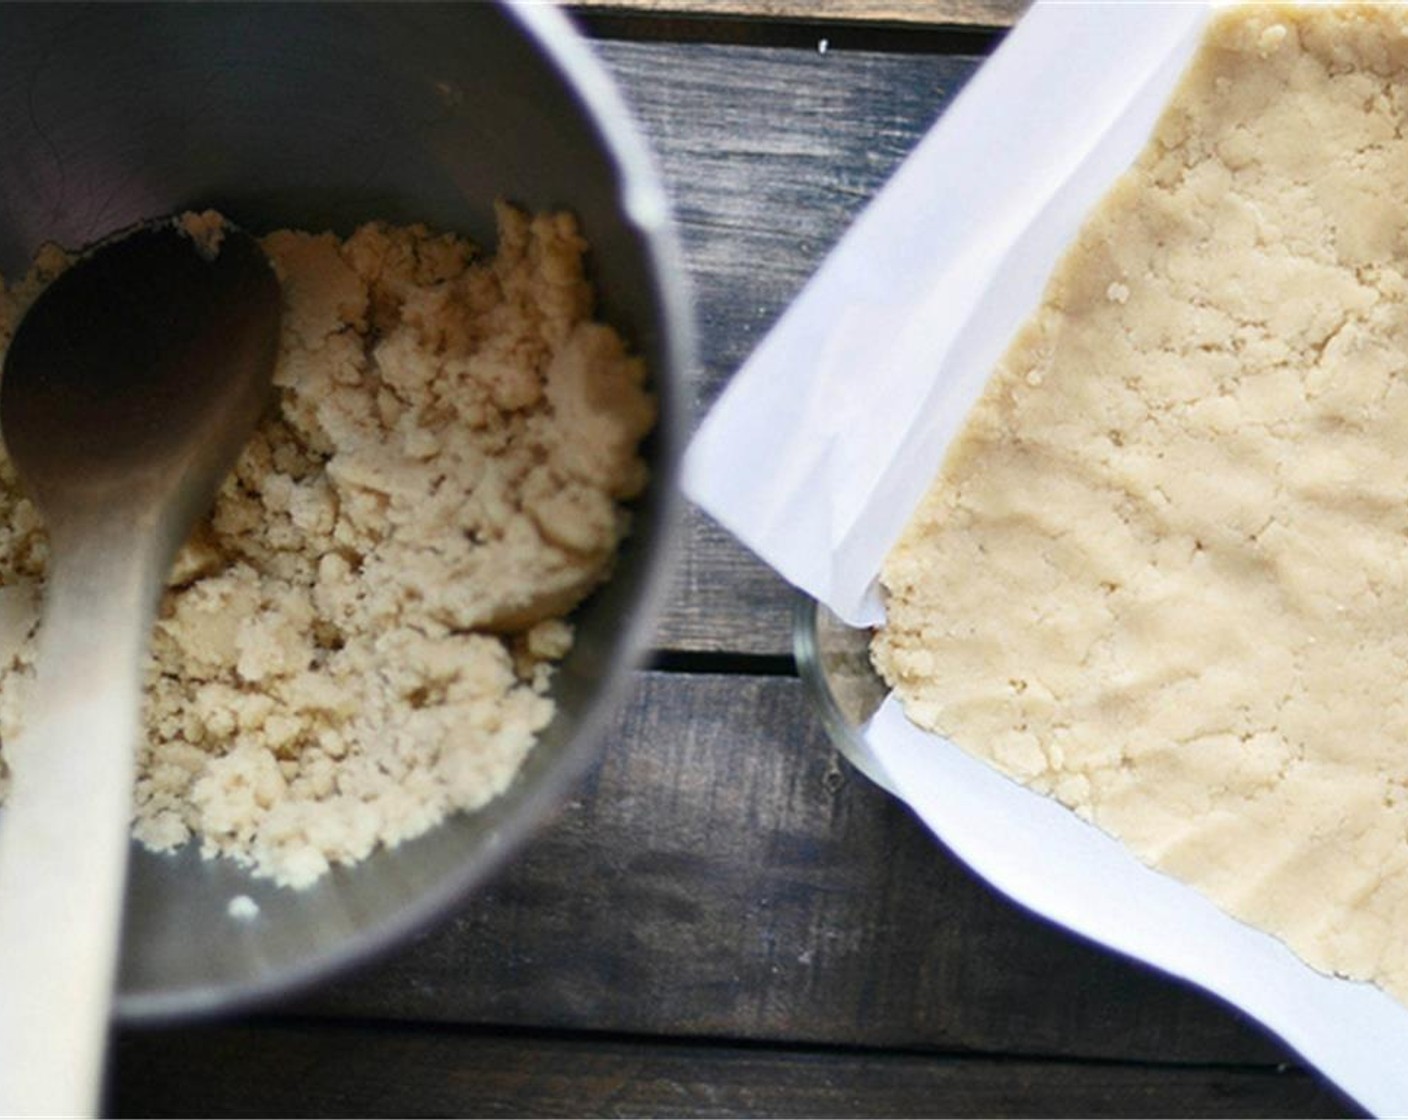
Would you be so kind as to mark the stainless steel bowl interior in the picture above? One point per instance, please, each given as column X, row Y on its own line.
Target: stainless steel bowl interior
column 324, row 116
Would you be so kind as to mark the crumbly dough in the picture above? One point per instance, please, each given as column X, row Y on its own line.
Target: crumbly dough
column 206, row 229
column 1163, row 575
column 359, row 639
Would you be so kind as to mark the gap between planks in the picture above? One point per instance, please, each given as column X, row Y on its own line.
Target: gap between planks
column 910, row 14
column 723, row 663
column 606, row 24
column 486, row 1072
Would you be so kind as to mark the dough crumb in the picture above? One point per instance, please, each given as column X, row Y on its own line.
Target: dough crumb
column 206, row 229
column 359, row 639
column 1162, row 576
column 1270, row 39
column 243, row 908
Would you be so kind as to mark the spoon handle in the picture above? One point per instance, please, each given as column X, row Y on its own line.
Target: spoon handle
column 64, row 829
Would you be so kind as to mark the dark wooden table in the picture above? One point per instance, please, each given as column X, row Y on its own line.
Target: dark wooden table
column 725, row 919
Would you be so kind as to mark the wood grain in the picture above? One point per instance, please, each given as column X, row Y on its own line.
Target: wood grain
column 914, row 13
column 723, row 874
column 725, row 600
column 393, row 1071
column 768, row 154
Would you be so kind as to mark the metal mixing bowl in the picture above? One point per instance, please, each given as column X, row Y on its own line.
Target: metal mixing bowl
column 325, row 116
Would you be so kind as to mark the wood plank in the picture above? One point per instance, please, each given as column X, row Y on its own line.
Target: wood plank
column 723, row 875
column 768, row 154
column 914, row 13
column 289, row 1070
column 725, row 600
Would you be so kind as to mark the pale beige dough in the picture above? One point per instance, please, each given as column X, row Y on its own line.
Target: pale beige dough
column 1163, row 575
column 359, row 640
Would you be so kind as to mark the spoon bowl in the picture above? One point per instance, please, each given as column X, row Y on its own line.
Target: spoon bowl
column 139, row 371
column 128, row 389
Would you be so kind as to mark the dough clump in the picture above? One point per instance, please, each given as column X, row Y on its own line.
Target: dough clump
column 1163, row 574
column 359, row 639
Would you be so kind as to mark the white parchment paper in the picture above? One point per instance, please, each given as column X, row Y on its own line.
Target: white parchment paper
column 822, row 444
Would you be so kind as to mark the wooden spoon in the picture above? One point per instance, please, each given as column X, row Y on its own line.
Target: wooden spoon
column 128, row 390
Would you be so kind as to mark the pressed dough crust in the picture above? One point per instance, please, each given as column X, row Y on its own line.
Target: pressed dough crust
column 1163, row 575
column 359, row 640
